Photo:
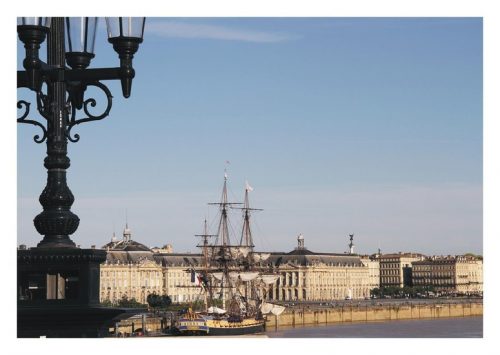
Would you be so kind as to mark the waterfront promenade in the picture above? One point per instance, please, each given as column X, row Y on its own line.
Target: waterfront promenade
column 365, row 311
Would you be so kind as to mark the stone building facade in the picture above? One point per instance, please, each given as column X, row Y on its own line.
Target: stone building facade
column 396, row 269
column 130, row 274
column 179, row 282
column 129, row 271
column 373, row 264
column 320, row 278
column 461, row 274
column 135, row 271
column 310, row 276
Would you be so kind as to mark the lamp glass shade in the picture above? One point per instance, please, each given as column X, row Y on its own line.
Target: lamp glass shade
column 80, row 34
column 132, row 27
column 34, row 21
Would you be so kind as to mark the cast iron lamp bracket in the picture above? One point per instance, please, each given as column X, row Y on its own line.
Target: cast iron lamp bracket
column 77, row 81
column 76, row 86
column 77, row 78
column 73, row 121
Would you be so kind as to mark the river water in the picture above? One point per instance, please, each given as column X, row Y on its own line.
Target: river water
column 466, row 327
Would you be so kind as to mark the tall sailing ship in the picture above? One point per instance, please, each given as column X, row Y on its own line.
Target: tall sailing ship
column 233, row 283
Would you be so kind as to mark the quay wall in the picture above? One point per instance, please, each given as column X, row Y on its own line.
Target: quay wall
column 324, row 315
column 366, row 313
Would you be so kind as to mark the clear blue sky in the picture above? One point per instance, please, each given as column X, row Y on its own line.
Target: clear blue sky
column 369, row 126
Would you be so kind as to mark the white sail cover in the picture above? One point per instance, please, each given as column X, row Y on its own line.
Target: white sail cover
column 269, row 279
column 277, row 310
column 244, row 276
column 271, row 308
column 238, row 252
column 266, row 307
column 216, row 310
column 258, row 257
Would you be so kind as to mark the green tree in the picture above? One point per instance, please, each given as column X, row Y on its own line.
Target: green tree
column 407, row 290
column 157, row 301
column 106, row 303
column 166, row 301
column 390, row 290
column 154, row 301
column 129, row 303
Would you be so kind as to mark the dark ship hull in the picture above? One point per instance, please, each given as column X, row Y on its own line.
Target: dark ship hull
column 221, row 327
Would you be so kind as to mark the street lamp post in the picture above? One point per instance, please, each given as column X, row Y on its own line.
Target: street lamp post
column 64, row 99
column 62, row 280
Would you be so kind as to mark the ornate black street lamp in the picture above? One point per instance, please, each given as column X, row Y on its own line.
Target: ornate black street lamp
column 64, row 99
column 58, row 283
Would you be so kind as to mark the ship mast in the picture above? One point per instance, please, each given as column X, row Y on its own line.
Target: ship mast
column 223, row 231
column 221, row 252
column 223, row 240
column 246, row 239
column 205, row 236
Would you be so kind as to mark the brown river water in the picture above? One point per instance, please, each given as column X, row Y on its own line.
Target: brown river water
column 463, row 327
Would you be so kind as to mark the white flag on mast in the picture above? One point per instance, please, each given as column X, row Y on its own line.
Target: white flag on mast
column 248, row 187
column 225, row 169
